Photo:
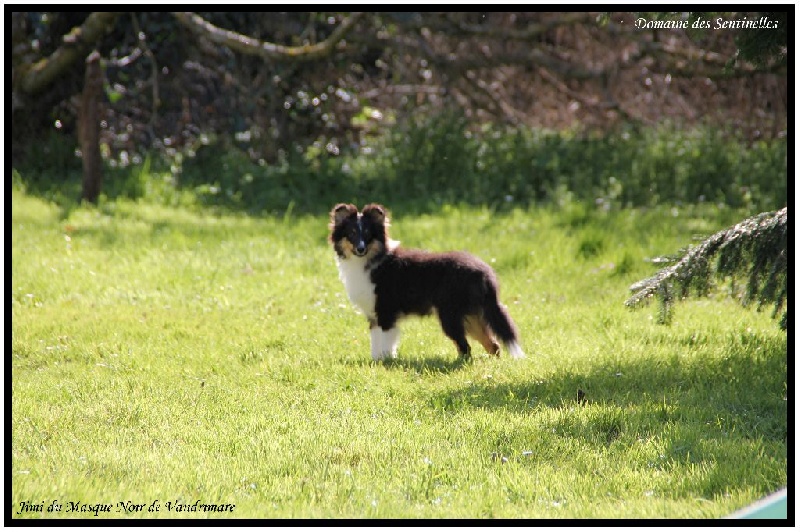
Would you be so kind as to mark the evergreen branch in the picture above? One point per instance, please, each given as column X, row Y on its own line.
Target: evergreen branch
column 755, row 247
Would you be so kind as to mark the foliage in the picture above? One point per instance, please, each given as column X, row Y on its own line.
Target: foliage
column 175, row 354
column 442, row 159
column 755, row 248
column 766, row 47
column 763, row 45
column 169, row 84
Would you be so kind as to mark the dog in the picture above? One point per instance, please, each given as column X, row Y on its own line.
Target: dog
column 387, row 282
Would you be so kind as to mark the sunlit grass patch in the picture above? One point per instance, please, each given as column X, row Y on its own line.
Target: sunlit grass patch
column 163, row 353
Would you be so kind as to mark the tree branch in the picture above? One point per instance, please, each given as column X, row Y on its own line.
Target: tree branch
column 753, row 246
column 532, row 31
column 76, row 43
column 248, row 45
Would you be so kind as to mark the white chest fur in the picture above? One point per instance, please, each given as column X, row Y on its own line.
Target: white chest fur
column 357, row 284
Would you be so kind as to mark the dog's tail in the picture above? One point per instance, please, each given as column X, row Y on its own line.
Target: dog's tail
column 502, row 325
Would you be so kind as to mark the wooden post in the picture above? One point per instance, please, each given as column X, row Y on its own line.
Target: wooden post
column 89, row 128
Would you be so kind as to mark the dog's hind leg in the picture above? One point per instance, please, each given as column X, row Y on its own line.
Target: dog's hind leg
column 453, row 326
column 478, row 328
column 496, row 316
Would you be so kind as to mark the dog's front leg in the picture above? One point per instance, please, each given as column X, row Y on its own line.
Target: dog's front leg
column 376, row 342
column 390, row 338
column 383, row 342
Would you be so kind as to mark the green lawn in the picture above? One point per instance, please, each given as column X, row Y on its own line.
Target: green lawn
column 163, row 354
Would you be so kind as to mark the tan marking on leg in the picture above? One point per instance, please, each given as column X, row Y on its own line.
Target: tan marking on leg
column 478, row 328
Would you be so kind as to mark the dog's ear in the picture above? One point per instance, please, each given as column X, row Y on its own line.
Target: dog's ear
column 376, row 213
column 342, row 211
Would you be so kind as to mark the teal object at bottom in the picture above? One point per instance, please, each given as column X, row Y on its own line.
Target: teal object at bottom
column 771, row 507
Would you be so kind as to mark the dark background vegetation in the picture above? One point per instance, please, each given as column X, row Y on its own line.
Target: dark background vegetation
column 412, row 109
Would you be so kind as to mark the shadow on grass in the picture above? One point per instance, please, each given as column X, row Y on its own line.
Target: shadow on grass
column 743, row 392
column 726, row 420
column 427, row 365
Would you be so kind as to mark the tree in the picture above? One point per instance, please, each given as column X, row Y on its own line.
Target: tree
column 303, row 78
column 89, row 129
column 754, row 248
column 267, row 50
column 32, row 78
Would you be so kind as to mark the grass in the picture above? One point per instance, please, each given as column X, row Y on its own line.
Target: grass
column 159, row 353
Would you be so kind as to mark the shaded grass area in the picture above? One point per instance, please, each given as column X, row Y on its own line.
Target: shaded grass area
column 167, row 353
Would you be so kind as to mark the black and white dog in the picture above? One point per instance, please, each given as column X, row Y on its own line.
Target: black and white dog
column 387, row 282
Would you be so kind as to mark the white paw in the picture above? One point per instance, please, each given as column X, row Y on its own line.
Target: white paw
column 383, row 356
column 515, row 350
column 384, row 343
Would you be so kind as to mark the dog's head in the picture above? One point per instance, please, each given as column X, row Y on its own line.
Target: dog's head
column 360, row 234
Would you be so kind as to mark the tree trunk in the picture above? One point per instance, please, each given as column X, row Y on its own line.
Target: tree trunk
column 89, row 128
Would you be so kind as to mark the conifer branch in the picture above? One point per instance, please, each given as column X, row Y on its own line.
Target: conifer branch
column 754, row 248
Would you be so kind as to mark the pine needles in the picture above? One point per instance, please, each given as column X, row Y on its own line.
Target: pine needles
column 754, row 249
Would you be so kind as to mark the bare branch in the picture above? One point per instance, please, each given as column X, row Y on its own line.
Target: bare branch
column 405, row 89
column 532, row 31
column 122, row 62
column 511, row 115
column 142, row 44
column 76, row 43
column 248, row 45
column 458, row 63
